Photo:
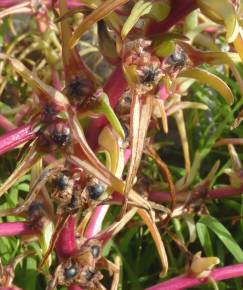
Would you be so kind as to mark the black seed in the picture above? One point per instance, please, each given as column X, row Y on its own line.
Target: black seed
column 95, row 191
column 61, row 138
column 89, row 275
column 62, row 181
column 149, row 76
column 70, row 272
column 128, row 99
column 73, row 202
column 177, row 59
column 75, row 88
column 95, row 251
column 35, row 210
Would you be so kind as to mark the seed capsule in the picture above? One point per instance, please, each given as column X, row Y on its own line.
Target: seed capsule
column 70, row 272
column 95, row 251
column 95, row 190
column 89, row 274
column 61, row 136
column 62, row 182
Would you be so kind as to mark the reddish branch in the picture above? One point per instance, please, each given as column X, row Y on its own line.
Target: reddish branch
column 66, row 243
column 211, row 194
column 16, row 137
column 178, row 11
column 15, row 229
column 183, row 282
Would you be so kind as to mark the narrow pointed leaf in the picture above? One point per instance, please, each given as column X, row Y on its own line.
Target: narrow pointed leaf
column 211, row 80
column 156, row 237
column 91, row 157
column 99, row 13
column 224, row 235
column 139, row 9
column 141, row 110
column 106, row 109
column 29, row 160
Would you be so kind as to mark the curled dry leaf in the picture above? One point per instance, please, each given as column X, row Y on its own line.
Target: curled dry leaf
column 141, row 110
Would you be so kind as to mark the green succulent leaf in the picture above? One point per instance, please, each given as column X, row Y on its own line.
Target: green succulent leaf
column 211, row 80
column 224, row 235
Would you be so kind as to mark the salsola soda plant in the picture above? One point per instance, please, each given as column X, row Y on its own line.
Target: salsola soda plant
column 123, row 119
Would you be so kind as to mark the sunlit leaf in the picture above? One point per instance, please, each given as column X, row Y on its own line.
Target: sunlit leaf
column 105, row 108
column 219, row 11
column 224, row 235
column 99, row 13
column 141, row 8
column 211, row 80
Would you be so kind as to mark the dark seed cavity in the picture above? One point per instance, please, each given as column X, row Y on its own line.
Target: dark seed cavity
column 178, row 58
column 149, row 76
column 95, row 251
column 95, row 191
column 70, row 272
column 89, row 275
column 62, row 138
column 62, row 182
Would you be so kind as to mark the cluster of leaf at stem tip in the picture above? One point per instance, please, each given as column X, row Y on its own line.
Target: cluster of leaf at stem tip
column 120, row 144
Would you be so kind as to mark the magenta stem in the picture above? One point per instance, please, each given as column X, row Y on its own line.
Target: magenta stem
column 212, row 194
column 6, row 124
column 96, row 221
column 66, row 243
column 16, row 137
column 15, row 228
column 179, row 10
column 183, row 282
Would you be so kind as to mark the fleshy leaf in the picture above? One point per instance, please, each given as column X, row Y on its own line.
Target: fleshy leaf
column 224, row 235
column 110, row 142
column 139, row 9
column 141, row 110
column 99, row 13
column 209, row 79
column 219, row 11
column 106, row 109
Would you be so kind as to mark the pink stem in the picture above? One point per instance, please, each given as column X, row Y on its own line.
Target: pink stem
column 114, row 88
column 6, row 124
column 212, row 194
column 56, row 80
column 15, row 228
column 96, row 221
column 183, row 282
column 16, row 137
column 179, row 10
column 66, row 243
